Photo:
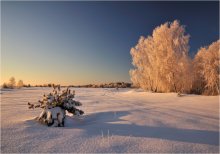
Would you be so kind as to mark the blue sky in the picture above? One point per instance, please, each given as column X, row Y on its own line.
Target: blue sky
column 90, row 42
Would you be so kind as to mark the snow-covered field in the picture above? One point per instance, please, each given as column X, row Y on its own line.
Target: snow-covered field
column 127, row 120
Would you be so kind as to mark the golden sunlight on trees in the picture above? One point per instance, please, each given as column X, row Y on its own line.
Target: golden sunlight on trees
column 206, row 70
column 12, row 82
column 20, row 84
column 161, row 61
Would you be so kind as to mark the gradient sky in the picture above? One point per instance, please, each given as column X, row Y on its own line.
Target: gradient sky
column 89, row 42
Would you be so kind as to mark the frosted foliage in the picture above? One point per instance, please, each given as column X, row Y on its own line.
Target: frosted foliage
column 161, row 61
column 12, row 82
column 20, row 84
column 206, row 69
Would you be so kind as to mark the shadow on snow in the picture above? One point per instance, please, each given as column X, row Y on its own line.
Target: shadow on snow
column 95, row 124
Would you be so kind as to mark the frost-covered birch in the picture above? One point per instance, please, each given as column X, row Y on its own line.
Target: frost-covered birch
column 161, row 61
column 206, row 70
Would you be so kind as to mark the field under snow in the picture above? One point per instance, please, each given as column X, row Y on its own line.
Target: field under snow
column 127, row 120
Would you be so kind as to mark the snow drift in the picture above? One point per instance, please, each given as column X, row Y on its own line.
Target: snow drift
column 124, row 120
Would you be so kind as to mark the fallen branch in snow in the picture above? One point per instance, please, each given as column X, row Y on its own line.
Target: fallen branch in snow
column 54, row 106
column 179, row 94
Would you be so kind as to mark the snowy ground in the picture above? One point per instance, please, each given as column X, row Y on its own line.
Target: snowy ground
column 127, row 120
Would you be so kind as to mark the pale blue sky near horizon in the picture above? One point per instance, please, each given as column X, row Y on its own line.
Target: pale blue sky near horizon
column 89, row 42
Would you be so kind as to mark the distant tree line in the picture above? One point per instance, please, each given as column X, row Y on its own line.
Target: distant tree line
column 45, row 85
column 12, row 84
column 106, row 85
column 162, row 63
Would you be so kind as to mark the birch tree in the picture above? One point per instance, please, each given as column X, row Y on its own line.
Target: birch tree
column 12, row 82
column 206, row 69
column 161, row 61
column 20, row 84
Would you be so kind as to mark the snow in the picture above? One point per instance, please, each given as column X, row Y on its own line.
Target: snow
column 124, row 120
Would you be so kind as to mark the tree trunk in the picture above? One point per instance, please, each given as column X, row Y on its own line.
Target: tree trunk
column 174, row 85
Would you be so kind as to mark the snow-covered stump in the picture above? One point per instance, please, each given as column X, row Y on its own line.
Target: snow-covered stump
column 55, row 105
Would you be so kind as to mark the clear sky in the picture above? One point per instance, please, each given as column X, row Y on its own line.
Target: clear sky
column 89, row 42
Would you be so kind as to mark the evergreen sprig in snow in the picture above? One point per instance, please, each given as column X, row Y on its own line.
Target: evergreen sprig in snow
column 54, row 102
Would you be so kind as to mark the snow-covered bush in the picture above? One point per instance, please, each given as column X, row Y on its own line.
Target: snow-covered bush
column 54, row 106
column 161, row 61
column 206, row 70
